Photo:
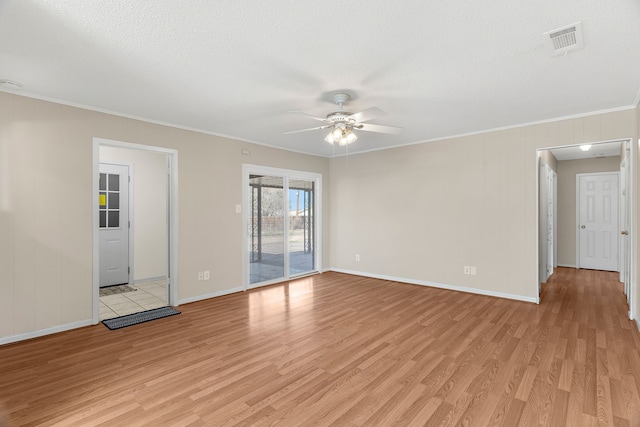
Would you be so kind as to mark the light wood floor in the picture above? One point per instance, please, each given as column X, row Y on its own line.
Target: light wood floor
column 342, row 350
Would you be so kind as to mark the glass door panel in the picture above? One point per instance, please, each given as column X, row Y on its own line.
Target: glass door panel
column 301, row 226
column 266, row 228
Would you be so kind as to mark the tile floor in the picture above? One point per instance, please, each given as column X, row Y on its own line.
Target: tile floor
column 149, row 295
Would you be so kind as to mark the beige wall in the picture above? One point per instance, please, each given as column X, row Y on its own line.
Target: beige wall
column 149, row 219
column 422, row 212
column 567, row 171
column 419, row 212
column 46, row 208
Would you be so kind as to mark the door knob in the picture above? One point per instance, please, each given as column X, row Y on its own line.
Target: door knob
column 582, row 226
column 624, row 233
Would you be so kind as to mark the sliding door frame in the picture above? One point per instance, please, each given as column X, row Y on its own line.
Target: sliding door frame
column 286, row 174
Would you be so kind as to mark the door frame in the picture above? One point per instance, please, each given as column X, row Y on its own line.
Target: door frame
column 286, row 174
column 172, row 223
column 632, row 145
column 630, row 211
column 130, row 214
column 578, row 176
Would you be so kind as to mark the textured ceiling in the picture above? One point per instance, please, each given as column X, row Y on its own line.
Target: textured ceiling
column 234, row 68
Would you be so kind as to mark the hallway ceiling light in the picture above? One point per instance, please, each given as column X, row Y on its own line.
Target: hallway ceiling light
column 585, row 147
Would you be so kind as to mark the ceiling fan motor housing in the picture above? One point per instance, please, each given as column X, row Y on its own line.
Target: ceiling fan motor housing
column 339, row 117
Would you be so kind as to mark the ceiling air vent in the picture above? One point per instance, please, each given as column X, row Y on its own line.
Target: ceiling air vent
column 566, row 39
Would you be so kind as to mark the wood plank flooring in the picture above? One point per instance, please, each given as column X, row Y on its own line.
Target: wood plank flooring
column 335, row 349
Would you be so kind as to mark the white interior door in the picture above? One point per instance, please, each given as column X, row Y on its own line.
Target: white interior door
column 542, row 215
column 113, row 200
column 555, row 219
column 625, row 238
column 598, row 221
column 547, row 245
column 623, row 223
column 550, row 222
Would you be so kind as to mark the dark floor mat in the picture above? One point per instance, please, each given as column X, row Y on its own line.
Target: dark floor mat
column 136, row 318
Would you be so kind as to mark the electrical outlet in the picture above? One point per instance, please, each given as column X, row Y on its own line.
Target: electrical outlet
column 201, row 275
column 473, row 270
column 207, row 275
column 467, row 269
column 357, row 257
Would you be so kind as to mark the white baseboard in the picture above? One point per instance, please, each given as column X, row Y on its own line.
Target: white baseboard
column 567, row 265
column 485, row 292
column 43, row 332
column 638, row 324
column 149, row 279
column 211, row 295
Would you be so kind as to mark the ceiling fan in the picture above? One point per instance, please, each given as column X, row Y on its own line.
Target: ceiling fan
column 343, row 123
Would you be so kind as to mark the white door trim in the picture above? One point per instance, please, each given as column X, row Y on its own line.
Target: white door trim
column 555, row 219
column 623, row 222
column 578, row 175
column 172, row 155
column 631, row 211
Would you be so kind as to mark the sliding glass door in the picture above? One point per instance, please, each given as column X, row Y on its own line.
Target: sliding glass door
column 266, row 228
column 281, row 237
column 301, row 226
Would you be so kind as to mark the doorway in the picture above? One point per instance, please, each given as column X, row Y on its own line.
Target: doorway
column 151, row 225
column 597, row 219
column 281, row 212
column 570, row 161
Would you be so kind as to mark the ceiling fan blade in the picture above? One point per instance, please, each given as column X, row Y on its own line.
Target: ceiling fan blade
column 309, row 115
column 305, row 130
column 368, row 114
column 378, row 128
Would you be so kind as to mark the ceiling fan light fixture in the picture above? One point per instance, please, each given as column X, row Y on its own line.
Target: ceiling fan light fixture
column 351, row 137
column 347, row 137
column 337, row 133
column 341, row 122
column 329, row 138
column 341, row 134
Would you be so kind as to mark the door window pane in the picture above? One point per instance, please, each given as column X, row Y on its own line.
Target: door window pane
column 114, row 219
column 114, row 200
column 301, row 226
column 114, row 182
column 109, row 200
column 266, row 227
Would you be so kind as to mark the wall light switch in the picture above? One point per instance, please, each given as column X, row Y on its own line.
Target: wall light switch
column 238, row 208
column 207, row 275
column 473, row 270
